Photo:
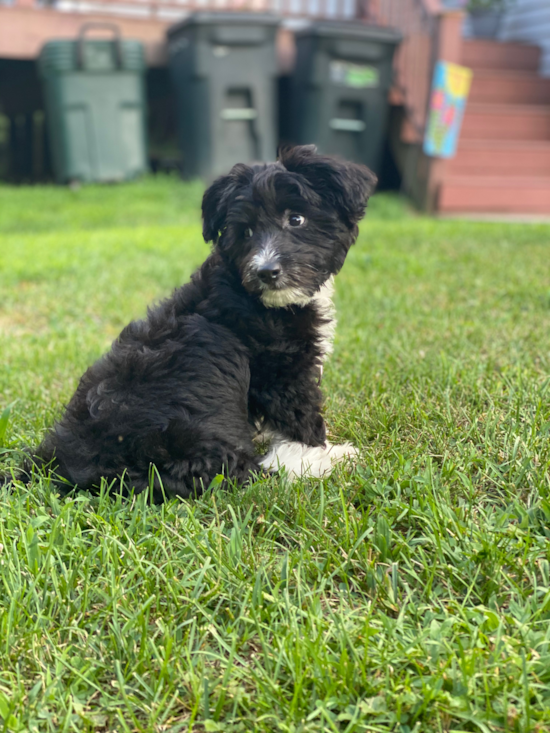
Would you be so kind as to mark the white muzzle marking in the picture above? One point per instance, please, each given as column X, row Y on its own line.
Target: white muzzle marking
column 284, row 297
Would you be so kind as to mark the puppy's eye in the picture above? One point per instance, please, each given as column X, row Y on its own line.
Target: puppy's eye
column 296, row 220
column 248, row 233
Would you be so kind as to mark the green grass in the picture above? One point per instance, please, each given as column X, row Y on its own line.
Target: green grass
column 411, row 593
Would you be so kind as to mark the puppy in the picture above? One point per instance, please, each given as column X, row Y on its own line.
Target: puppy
column 237, row 351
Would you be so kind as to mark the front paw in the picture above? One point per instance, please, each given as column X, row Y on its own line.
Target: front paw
column 299, row 459
column 339, row 453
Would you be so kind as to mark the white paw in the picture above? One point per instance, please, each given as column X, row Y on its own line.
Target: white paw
column 339, row 453
column 304, row 460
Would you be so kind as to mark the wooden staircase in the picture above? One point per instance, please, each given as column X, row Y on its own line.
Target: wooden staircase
column 503, row 160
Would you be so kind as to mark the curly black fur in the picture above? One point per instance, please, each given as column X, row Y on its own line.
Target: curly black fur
column 183, row 389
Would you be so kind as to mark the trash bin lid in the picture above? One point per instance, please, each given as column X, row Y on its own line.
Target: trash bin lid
column 236, row 18
column 350, row 30
column 97, row 56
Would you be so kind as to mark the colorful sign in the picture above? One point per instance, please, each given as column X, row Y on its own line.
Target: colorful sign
column 451, row 84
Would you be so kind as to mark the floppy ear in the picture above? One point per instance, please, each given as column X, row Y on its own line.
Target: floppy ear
column 213, row 214
column 215, row 202
column 346, row 186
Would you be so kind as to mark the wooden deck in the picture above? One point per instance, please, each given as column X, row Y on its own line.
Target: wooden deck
column 25, row 25
column 24, row 30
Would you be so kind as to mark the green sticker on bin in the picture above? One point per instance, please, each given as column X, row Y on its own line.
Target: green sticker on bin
column 354, row 75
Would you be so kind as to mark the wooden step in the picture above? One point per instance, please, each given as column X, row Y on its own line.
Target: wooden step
column 506, row 122
column 494, row 194
column 497, row 55
column 500, row 157
column 509, row 87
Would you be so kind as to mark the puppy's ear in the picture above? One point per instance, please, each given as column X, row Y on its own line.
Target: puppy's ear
column 213, row 213
column 346, row 186
column 216, row 199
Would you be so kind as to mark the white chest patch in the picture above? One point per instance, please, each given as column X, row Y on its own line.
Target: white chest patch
column 322, row 300
column 296, row 458
column 325, row 308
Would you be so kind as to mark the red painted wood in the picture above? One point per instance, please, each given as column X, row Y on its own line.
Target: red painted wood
column 506, row 122
column 497, row 55
column 483, row 194
column 501, row 157
column 503, row 160
column 509, row 87
column 23, row 31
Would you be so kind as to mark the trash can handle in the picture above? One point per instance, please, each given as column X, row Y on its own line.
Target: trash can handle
column 104, row 26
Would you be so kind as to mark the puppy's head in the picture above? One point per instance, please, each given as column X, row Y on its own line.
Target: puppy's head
column 287, row 226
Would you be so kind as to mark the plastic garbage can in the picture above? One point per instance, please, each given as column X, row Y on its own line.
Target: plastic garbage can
column 340, row 88
column 224, row 69
column 95, row 106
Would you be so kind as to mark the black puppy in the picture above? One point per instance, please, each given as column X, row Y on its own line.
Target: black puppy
column 236, row 351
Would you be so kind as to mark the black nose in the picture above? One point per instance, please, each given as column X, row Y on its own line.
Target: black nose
column 269, row 273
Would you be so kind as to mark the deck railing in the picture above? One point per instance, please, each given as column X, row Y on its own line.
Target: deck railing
column 171, row 9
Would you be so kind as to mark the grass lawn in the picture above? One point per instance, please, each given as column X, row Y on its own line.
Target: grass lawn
column 411, row 593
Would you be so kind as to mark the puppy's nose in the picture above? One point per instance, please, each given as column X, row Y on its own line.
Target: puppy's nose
column 269, row 272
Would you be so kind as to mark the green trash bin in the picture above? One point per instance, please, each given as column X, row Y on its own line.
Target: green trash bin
column 95, row 106
column 340, row 87
column 224, row 72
